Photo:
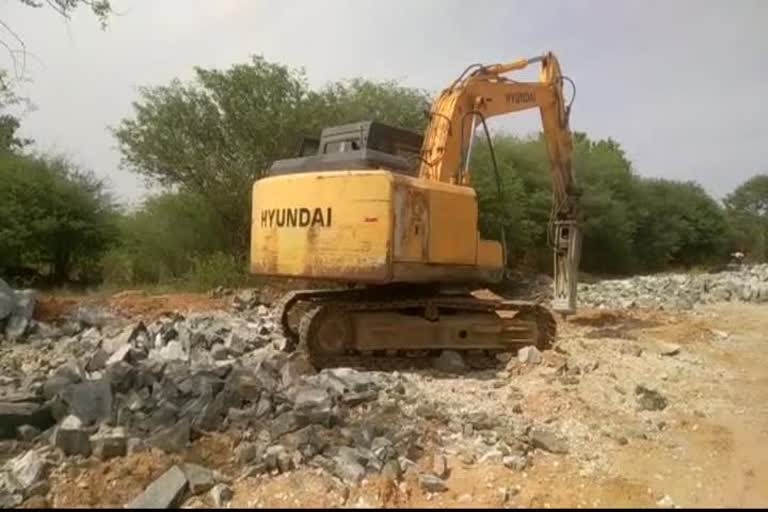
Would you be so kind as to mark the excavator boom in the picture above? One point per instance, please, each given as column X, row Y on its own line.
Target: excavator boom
column 486, row 93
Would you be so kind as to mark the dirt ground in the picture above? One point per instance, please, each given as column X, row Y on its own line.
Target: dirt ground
column 709, row 448
column 720, row 459
column 134, row 304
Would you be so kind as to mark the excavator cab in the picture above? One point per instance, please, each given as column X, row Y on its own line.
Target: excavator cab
column 361, row 145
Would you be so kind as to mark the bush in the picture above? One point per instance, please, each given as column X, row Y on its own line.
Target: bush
column 217, row 269
column 161, row 241
column 117, row 268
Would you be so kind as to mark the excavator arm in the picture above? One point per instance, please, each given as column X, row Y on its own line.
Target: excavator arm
column 484, row 93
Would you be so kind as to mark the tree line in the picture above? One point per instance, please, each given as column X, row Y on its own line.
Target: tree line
column 204, row 142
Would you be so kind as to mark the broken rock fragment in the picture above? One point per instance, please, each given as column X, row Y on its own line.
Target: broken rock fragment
column 515, row 462
column 27, row 432
column 548, row 441
column 109, row 442
column 90, row 401
column 348, row 469
column 449, row 361
column 440, row 466
column 21, row 314
column 199, row 478
column 432, row 483
column 72, row 438
column 173, row 439
column 529, row 355
column 164, row 492
column 27, row 470
column 669, row 349
column 650, row 400
column 221, row 494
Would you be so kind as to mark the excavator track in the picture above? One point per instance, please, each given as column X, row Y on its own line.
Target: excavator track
column 337, row 325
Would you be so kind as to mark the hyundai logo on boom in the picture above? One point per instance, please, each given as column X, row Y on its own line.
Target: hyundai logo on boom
column 296, row 217
column 521, row 97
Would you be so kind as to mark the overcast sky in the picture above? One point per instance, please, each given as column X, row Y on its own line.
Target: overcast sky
column 680, row 84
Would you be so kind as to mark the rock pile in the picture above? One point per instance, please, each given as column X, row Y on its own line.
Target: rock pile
column 679, row 291
column 104, row 390
column 100, row 387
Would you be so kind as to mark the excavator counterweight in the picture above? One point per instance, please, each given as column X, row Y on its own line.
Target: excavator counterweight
column 392, row 215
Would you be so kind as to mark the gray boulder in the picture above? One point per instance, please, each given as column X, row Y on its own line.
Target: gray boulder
column 64, row 377
column 135, row 445
column 165, row 492
column 173, row 439
column 516, row 462
column 286, row 423
column 21, row 315
column 27, row 470
column 432, row 483
column 341, row 381
column 348, row 469
column 221, row 494
column 90, row 401
column 121, row 354
column 72, row 438
column 529, row 355
column 548, row 440
column 91, row 315
column 314, row 404
column 199, row 478
column 115, row 343
column 97, row 361
column 449, row 362
column 173, row 351
column 247, row 453
column 27, row 432
column 649, row 399
column 440, row 466
column 109, row 442
column 392, row 470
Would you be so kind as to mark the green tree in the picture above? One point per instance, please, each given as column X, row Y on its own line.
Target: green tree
column 52, row 215
column 678, row 224
column 608, row 181
column 218, row 134
column 747, row 208
column 630, row 223
column 751, row 197
column 508, row 209
column 603, row 172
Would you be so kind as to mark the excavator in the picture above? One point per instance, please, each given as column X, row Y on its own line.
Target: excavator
column 391, row 216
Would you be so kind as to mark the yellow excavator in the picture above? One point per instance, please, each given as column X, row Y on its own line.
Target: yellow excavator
column 391, row 215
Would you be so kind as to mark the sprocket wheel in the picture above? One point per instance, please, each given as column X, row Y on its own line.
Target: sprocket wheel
column 325, row 333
